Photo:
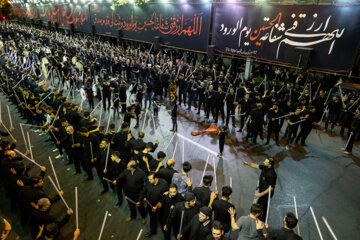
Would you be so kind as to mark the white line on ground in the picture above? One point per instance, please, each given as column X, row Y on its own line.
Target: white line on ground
column 197, row 144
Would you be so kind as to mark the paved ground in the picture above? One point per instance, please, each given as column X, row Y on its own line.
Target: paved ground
column 319, row 175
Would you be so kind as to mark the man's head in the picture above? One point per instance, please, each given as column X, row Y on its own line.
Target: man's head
column 172, row 190
column 125, row 126
column 153, row 178
column 190, row 199
column 37, row 182
column 217, row 230
column 104, row 143
column 207, row 180
column 269, row 162
column 115, row 156
column 170, row 163
column 161, row 155
column 44, row 204
column 204, row 214
column 84, row 132
column 186, row 167
column 51, row 230
column 290, row 220
column 69, row 130
column 141, row 135
column 256, row 210
column 131, row 166
column 226, row 192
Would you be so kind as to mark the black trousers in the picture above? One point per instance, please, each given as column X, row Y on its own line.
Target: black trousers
column 101, row 174
column 304, row 133
column 219, row 108
column 273, row 129
column 91, row 102
column 154, row 219
column 255, row 130
column 135, row 197
column 243, row 118
column 108, row 98
column 174, row 122
column 209, row 107
column 230, row 110
column 221, row 146
column 201, row 102
column 263, row 201
column 88, row 167
column 292, row 131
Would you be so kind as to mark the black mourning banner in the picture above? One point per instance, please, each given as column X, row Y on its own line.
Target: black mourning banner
column 179, row 25
column 65, row 15
column 277, row 32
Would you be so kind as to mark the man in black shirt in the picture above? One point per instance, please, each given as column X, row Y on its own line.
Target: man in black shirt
column 190, row 209
column 167, row 203
column 210, row 101
column 335, row 107
column 132, row 182
column 245, row 106
column 152, row 193
column 168, row 172
column 90, row 143
column 293, row 127
column 267, row 178
column 274, row 123
column 221, row 208
column 307, row 125
column 230, row 107
column 201, row 96
column 43, row 215
column 106, row 93
column 219, row 105
column 119, row 141
column 203, row 192
column 285, row 233
column 100, row 162
column 257, row 122
column 122, row 96
column 200, row 225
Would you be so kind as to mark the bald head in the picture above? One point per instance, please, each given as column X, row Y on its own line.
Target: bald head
column 170, row 163
column 44, row 204
column 69, row 130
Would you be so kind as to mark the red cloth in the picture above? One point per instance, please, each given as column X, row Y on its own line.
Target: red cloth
column 212, row 129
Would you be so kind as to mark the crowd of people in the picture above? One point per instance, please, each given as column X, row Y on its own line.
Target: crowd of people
column 137, row 79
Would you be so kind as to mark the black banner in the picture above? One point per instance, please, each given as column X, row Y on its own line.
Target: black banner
column 179, row 25
column 63, row 14
column 277, row 32
column 27, row 12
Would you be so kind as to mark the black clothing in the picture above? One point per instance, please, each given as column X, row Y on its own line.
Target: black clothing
column 154, row 194
column 221, row 213
column 280, row 234
column 175, row 217
column 202, row 195
column 167, row 174
column 267, row 178
column 196, row 230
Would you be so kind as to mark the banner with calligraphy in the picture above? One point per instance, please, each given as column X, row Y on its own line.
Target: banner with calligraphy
column 179, row 25
column 274, row 32
column 27, row 12
column 63, row 14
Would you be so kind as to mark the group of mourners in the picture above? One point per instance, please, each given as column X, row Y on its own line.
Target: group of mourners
column 41, row 71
